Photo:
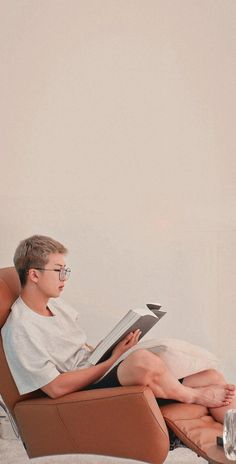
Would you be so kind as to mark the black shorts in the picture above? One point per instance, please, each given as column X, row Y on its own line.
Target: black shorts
column 111, row 380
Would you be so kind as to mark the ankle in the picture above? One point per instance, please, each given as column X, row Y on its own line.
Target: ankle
column 189, row 395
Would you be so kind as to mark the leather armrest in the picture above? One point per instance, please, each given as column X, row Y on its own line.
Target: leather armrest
column 122, row 421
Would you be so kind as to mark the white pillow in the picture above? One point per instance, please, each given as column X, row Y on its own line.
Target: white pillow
column 181, row 357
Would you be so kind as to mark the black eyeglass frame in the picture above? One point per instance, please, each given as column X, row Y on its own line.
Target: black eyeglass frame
column 64, row 273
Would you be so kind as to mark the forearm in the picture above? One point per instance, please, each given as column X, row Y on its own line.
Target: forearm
column 69, row 382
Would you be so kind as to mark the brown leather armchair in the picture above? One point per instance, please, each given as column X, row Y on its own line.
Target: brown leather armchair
column 124, row 422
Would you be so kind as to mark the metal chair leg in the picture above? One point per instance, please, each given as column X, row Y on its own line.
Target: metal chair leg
column 11, row 420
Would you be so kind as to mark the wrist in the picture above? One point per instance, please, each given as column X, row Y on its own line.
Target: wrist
column 113, row 358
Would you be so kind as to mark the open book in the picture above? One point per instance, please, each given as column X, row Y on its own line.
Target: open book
column 143, row 319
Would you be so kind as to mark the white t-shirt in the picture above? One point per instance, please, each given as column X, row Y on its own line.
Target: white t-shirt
column 39, row 348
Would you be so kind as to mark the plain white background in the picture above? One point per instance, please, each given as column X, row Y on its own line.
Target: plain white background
column 118, row 139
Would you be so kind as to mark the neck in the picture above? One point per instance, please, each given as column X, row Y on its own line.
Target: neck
column 35, row 300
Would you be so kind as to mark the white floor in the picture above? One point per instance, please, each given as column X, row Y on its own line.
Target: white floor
column 13, row 452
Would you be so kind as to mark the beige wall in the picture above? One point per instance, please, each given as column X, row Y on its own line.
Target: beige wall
column 118, row 138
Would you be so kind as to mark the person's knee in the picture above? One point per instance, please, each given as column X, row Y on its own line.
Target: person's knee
column 215, row 377
column 146, row 366
column 146, row 358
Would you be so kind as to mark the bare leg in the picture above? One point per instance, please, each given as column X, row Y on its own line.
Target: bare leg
column 207, row 378
column 144, row 368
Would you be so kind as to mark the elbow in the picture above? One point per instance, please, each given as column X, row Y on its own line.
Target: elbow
column 54, row 394
column 60, row 386
column 54, row 390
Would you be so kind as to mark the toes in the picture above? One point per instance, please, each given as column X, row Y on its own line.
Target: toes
column 230, row 387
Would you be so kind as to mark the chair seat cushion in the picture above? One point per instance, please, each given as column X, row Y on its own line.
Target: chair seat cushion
column 193, row 425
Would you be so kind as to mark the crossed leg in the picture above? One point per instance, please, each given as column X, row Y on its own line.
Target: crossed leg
column 208, row 378
column 207, row 388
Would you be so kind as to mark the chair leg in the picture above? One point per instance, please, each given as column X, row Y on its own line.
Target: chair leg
column 11, row 420
column 175, row 442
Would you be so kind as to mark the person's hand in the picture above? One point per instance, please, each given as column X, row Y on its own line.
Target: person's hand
column 128, row 342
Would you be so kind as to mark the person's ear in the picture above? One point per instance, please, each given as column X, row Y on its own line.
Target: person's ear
column 33, row 275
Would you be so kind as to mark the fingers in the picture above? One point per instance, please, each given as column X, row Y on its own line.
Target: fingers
column 129, row 336
column 137, row 334
column 133, row 337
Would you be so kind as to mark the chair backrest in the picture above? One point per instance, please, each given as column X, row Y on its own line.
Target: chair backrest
column 9, row 291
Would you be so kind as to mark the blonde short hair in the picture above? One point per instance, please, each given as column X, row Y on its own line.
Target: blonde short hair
column 34, row 252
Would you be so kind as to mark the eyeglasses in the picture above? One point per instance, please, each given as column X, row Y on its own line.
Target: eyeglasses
column 64, row 272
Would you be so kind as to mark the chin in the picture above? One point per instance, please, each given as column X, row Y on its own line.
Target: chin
column 55, row 294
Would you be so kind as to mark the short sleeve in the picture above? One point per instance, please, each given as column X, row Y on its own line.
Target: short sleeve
column 29, row 362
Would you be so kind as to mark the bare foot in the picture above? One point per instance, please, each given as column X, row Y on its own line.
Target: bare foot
column 214, row 396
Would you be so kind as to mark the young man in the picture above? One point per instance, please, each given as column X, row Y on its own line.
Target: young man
column 46, row 348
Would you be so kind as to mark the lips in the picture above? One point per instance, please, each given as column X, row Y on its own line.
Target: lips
column 61, row 287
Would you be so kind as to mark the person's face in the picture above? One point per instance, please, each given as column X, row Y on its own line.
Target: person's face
column 48, row 280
